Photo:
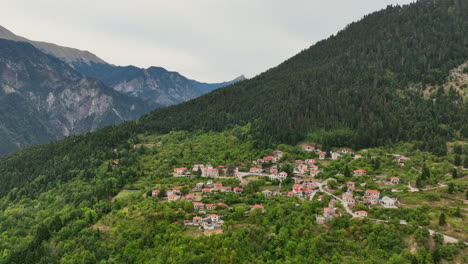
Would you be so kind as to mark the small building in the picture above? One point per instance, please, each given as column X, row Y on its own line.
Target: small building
column 267, row 193
column 222, row 204
column 351, row 185
column 214, row 218
column 374, row 193
column 188, row 197
column 238, row 190
column 282, row 175
column 197, row 220
column 180, row 172
column 322, row 156
column 278, row 154
column 314, row 173
column 394, row 180
column 314, row 167
column 173, row 197
column 115, row 163
column 206, row 190
column 210, row 206
column 402, row 160
column 320, row 219
column 361, row 213
column 310, row 161
column 371, row 199
column 198, row 167
column 357, row 156
column 256, row 170
column 155, row 192
column 258, row 206
column 335, row 155
column 360, row 172
column 309, row 148
column 198, row 206
column 388, row 202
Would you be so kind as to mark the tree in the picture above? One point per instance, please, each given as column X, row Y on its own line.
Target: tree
column 465, row 162
column 347, row 171
column 458, row 212
column 457, row 160
column 426, row 173
column 451, row 188
column 162, row 193
column 442, row 220
column 454, row 173
column 185, row 190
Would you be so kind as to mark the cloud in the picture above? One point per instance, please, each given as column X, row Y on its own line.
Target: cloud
column 207, row 40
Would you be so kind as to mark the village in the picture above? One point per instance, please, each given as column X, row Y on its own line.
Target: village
column 305, row 179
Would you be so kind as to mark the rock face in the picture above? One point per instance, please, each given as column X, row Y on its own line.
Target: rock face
column 154, row 84
column 42, row 98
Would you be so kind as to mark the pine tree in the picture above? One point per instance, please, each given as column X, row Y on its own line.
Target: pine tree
column 454, row 173
column 451, row 188
column 347, row 172
column 426, row 173
column 458, row 212
column 457, row 160
column 442, row 220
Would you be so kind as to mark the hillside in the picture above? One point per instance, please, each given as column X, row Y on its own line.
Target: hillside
column 368, row 86
column 379, row 82
column 44, row 99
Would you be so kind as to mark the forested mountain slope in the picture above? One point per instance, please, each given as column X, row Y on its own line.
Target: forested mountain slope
column 367, row 79
column 373, row 83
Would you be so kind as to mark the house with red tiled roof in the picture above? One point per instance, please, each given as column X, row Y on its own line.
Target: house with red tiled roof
column 197, row 220
column 206, row 190
column 214, row 217
column 282, row 175
column 310, row 161
column 188, row 197
column 258, row 206
column 357, row 156
column 210, row 206
column 180, row 172
column 394, row 180
column 351, row 185
column 322, row 156
column 278, row 154
column 360, row 172
column 173, row 197
column 309, row 148
column 361, row 213
column 155, row 192
column 198, row 206
column 238, row 190
column 255, row 170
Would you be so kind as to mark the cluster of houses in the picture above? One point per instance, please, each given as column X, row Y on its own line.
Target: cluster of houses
column 303, row 188
column 212, row 221
column 327, row 214
column 306, row 167
column 334, row 154
column 370, row 197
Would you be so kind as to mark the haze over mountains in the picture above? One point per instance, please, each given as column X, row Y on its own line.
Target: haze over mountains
column 49, row 91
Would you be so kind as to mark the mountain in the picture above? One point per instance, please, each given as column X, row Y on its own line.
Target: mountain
column 43, row 99
column 154, row 84
column 379, row 81
column 67, row 99
column 69, row 55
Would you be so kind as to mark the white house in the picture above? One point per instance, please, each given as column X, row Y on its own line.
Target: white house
column 388, row 202
column 335, row 155
column 360, row 172
column 322, row 156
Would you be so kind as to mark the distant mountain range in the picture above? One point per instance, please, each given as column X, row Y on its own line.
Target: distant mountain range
column 49, row 91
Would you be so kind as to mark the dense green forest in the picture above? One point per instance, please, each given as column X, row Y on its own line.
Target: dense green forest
column 375, row 83
column 368, row 78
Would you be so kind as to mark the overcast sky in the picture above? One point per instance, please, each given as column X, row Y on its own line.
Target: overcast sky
column 206, row 40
